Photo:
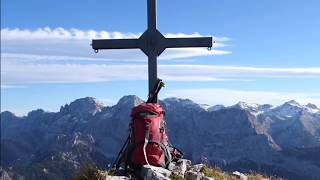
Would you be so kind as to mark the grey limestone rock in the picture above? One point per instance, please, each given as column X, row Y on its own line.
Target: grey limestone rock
column 149, row 172
column 240, row 175
column 197, row 167
column 117, row 178
column 193, row 175
column 180, row 166
column 207, row 178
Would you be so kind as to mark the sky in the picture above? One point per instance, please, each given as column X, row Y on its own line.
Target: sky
column 266, row 51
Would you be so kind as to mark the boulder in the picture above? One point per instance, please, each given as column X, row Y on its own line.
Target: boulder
column 117, row 178
column 180, row 167
column 149, row 172
column 193, row 175
column 197, row 167
column 240, row 175
column 207, row 178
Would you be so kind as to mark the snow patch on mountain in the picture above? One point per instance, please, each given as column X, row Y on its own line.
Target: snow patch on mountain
column 291, row 109
column 253, row 108
column 83, row 107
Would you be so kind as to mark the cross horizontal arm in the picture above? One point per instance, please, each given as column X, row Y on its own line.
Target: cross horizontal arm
column 189, row 42
column 115, row 44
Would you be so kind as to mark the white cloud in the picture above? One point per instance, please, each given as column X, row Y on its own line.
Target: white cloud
column 15, row 73
column 75, row 42
column 69, row 73
column 213, row 96
column 11, row 87
column 79, row 73
column 64, row 56
column 61, row 33
column 240, row 71
column 177, row 53
column 17, row 57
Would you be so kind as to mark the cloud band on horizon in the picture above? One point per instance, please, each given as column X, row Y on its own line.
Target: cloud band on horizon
column 227, row 97
column 30, row 73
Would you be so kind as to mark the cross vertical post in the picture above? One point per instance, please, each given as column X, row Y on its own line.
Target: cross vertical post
column 152, row 56
column 152, row 15
column 152, row 43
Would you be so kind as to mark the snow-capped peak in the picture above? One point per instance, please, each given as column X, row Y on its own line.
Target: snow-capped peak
column 251, row 107
column 84, row 106
column 244, row 105
column 312, row 108
column 205, row 106
column 293, row 103
column 288, row 109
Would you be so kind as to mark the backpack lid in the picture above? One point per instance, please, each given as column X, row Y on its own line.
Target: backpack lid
column 154, row 108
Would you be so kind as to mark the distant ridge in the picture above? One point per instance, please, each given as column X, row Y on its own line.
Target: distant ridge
column 281, row 140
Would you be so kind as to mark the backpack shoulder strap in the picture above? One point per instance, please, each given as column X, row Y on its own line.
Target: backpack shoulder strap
column 175, row 153
column 121, row 154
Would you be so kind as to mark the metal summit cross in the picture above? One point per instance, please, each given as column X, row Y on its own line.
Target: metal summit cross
column 152, row 43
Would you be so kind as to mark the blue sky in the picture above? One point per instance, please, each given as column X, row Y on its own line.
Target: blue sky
column 266, row 52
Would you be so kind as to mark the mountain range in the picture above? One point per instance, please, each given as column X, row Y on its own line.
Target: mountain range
column 275, row 140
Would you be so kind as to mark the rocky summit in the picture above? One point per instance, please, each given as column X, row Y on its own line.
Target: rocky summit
column 283, row 141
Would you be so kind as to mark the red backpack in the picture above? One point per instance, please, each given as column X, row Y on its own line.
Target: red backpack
column 148, row 140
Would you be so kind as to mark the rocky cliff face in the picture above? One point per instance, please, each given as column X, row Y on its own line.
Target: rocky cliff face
column 283, row 140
